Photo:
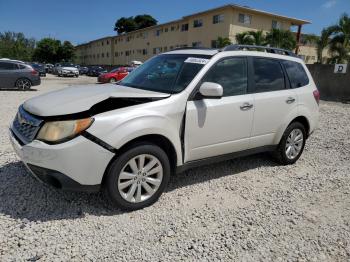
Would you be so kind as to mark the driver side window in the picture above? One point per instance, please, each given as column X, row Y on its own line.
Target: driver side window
column 231, row 74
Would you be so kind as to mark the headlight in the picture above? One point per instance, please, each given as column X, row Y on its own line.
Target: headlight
column 58, row 131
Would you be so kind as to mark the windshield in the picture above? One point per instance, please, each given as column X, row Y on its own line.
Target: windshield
column 166, row 73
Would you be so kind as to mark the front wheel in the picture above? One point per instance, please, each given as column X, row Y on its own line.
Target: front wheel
column 292, row 144
column 138, row 177
column 112, row 80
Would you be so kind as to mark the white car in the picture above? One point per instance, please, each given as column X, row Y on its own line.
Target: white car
column 66, row 69
column 178, row 110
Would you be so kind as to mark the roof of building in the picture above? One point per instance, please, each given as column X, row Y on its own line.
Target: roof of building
column 294, row 21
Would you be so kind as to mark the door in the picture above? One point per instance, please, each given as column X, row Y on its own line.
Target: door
column 216, row 127
column 273, row 100
column 7, row 74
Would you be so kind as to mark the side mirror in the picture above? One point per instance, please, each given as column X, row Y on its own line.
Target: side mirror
column 211, row 90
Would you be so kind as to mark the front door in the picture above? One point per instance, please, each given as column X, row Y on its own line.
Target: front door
column 216, row 127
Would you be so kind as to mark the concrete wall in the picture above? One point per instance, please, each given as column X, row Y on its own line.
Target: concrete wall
column 332, row 86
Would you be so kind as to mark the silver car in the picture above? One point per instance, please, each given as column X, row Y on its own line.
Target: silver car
column 14, row 74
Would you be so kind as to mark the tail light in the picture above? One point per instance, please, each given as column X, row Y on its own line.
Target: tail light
column 317, row 96
column 34, row 73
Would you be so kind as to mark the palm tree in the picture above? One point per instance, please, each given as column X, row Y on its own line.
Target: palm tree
column 322, row 43
column 245, row 38
column 281, row 38
column 339, row 45
column 222, row 42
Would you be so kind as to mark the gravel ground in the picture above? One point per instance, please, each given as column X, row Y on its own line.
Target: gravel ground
column 246, row 209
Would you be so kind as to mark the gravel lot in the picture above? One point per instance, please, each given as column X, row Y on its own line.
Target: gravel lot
column 246, row 209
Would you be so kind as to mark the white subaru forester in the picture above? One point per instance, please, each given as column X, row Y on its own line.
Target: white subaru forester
column 178, row 110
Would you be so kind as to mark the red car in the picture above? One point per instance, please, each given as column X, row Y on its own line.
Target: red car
column 115, row 75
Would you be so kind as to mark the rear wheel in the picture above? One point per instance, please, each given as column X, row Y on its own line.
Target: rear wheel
column 112, row 80
column 292, row 144
column 138, row 177
column 23, row 84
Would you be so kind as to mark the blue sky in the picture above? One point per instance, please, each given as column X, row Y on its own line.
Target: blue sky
column 80, row 21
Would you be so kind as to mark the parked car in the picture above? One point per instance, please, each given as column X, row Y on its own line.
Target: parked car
column 49, row 68
column 40, row 68
column 178, row 110
column 14, row 74
column 83, row 70
column 115, row 75
column 66, row 69
column 96, row 71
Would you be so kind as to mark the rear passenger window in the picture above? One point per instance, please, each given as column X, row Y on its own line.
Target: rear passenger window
column 268, row 75
column 231, row 74
column 296, row 74
column 7, row 66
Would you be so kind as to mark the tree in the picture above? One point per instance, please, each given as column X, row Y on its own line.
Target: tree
column 52, row 50
column 125, row 25
column 129, row 24
column 251, row 38
column 16, row 46
column 222, row 42
column 47, row 50
column 281, row 39
column 321, row 43
column 244, row 38
column 66, row 52
column 143, row 21
column 339, row 44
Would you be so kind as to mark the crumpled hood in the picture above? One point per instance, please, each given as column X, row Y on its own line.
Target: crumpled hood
column 81, row 98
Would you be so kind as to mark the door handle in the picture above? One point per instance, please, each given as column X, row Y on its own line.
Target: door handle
column 290, row 100
column 246, row 106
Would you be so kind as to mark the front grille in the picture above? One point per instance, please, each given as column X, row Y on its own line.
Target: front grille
column 25, row 126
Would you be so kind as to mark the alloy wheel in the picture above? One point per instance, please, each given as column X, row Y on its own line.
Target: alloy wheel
column 140, row 178
column 23, row 84
column 294, row 143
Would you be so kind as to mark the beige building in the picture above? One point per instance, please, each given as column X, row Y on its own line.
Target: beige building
column 196, row 30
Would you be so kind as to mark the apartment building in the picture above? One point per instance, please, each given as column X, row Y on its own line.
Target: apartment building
column 195, row 30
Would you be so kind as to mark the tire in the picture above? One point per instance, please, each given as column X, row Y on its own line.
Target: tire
column 128, row 191
column 291, row 146
column 112, row 80
column 23, row 84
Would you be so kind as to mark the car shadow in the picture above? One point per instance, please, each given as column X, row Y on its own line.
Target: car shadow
column 23, row 197
column 20, row 90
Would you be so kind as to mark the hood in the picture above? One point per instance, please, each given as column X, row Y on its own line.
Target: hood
column 79, row 99
column 69, row 68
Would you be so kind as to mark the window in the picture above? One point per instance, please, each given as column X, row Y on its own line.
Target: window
column 102, row 43
column 157, row 33
column 245, row 19
column 296, row 74
column 144, row 51
column 172, row 28
column 107, row 42
column 276, row 24
column 7, row 66
column 218, row 19
column 164, row 73
column 268, row 75
column 231, row 74
column 214, row 43
column 184, row 27
column 197, row 23
column 103, row 55
column 116, row 54
column 157, row 50
column 197, row 44
column 107, row 54
column 166, row 30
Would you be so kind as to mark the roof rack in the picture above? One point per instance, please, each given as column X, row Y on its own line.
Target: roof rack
column 197, row 48
column 258, row 48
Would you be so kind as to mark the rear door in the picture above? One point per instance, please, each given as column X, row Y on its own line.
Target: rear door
column 8, row 74
column 220, row 126
column 273, row 99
